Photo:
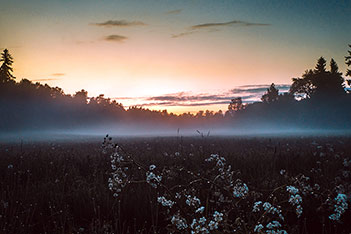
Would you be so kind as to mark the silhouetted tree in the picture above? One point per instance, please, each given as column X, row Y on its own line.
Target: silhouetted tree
column 199, row 114
column 271, row 95
column 209, row 114
column 319, row 82
column 334, row 69
column 348, row 63
column 320, row 66
column 6, row 67
column 219, row 113
column 303, row 87
column 235, row 105
column 81, row 96
column 335, row 83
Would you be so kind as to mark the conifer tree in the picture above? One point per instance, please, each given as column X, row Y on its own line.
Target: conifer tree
column 6, row 67
column 321, row 65
column 348, row 63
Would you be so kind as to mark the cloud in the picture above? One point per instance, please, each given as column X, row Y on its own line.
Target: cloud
column 115, row 38
column 230, row 23
column 197, row 100
column 248, row 93
column 174, row 12
column 213, row 27
column 170, row 103
column 258, row 89
column 182, row 34
column 188, row 98
column 49, row 79
column 120, row 23
column 58, row 74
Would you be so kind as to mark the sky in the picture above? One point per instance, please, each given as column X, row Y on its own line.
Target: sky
column 179, row 55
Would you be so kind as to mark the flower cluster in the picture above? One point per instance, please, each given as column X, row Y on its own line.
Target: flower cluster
column 340, row 207
column 192, row 201
column 118, row 178
column 199, row 226
column 151, row 178
column 272, row 228
column 303, row 182
column 274, row 211
column 165, row 202
column 240, row 189
column 269, row 208
column 179, row 222
column 220, row 161
column 217, row 218
column 295, row 199
column 202, row 225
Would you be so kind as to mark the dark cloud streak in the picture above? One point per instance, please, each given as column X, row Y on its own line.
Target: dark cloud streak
column 248, row 93
column 115, row 38
column 213, row 27
column 174, row 12
column 182, row 34
column 49, row 79
column 257, row 89
column 120, row 23
column 230, row 23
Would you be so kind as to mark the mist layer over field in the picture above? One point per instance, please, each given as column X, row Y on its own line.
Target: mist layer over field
column 97, row 134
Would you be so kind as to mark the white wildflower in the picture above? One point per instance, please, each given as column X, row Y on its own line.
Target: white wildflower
column 200, row 210
column 340, row 207
column 179, row 222
column 152, row 167
column 192, row 201
column 240, row 189
column 256, row 206
column 165, row 202
column 258, row 228
column 217, row 216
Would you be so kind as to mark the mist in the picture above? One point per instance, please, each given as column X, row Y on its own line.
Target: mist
column 97, row 133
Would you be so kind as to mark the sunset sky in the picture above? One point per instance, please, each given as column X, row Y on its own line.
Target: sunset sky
column 180, row 55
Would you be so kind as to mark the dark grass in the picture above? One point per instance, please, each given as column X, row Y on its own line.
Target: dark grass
column 61, row 187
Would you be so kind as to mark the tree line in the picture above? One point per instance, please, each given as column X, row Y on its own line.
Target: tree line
column 320, row 98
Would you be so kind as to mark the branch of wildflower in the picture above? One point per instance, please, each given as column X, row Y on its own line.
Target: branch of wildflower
column 133, row 160
column 208, row 180
column 144, row 181
column 268, row 210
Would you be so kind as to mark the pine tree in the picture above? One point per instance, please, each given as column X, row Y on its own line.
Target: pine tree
column 6, row 67
column 334, row 69
column 335, row 80
column 321, row 65
column 319, row 82
column 348, row 63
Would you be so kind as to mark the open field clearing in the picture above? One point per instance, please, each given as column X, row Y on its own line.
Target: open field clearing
column 177, row 185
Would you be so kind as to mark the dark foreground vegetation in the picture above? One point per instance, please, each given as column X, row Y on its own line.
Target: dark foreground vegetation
column 177, row 185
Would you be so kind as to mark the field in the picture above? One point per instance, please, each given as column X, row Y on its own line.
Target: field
column 177, row 185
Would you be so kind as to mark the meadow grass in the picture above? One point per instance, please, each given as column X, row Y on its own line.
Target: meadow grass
column 62, row 187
